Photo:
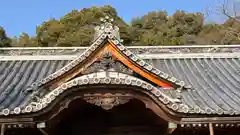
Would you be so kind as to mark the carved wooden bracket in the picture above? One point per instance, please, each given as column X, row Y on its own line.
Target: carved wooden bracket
column 107, row 101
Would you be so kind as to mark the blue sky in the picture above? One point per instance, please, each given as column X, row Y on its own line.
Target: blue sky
column 24, row 15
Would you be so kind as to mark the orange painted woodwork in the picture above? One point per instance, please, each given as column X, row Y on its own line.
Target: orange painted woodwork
column 111, row 47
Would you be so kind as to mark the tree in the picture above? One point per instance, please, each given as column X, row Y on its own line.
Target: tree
column 24, row 40
column 77, row 27
column 4, row 40
column 157, row 28
column 49, row 32
column 231, row 10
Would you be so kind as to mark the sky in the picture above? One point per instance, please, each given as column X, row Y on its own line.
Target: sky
column 19, row 16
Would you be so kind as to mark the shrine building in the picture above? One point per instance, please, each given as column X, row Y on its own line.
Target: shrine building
column 112, row 89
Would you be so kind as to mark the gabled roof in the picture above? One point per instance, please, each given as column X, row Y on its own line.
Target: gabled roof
column 209, row 82
column 215, row 80
column 107, row 32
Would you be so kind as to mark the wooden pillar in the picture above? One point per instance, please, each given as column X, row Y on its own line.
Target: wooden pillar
column 171, row 127
column 2, row 129
column 211, row 129
column 41, row 127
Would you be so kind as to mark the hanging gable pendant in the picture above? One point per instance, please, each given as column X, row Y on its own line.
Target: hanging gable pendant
column 107, row 39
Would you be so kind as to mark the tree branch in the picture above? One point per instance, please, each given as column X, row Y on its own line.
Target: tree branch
column 224, row 10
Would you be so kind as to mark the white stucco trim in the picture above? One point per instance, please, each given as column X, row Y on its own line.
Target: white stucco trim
column 142, row 56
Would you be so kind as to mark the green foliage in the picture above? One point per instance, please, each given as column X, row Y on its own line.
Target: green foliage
column 4, row 40
column 76, row 28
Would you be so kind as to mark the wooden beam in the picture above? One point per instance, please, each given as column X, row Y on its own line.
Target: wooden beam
column 211, row 129
column 2, row 129
column 15, row 120
column 208, row 120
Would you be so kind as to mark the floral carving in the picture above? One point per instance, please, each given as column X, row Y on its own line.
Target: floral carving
column 107, row 101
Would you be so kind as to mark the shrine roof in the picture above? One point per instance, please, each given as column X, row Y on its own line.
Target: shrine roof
column 213, row 75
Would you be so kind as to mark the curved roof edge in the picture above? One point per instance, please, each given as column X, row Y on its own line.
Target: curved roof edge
column 114, row 78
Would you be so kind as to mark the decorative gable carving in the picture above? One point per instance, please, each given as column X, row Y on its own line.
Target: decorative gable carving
column 107, row 101
column 107, row 63
column 107, row 27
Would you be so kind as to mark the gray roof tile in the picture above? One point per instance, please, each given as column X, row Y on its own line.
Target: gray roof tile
column 215, row 81
column 16, row 76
